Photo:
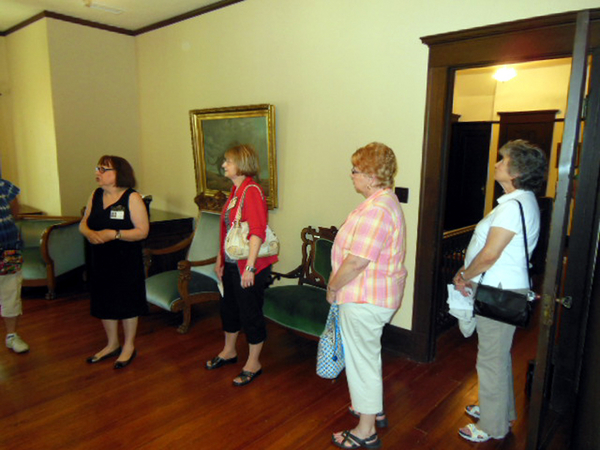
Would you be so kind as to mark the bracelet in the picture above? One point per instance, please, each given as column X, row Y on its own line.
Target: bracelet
column 250, row 269
column 462, row 275
column 118, row 235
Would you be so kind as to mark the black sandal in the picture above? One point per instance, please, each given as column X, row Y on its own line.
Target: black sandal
column 381, row 420
column 217, row 362
column 246, row 377
column 351, row 441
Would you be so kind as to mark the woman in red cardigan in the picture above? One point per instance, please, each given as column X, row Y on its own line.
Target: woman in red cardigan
column 244, row 281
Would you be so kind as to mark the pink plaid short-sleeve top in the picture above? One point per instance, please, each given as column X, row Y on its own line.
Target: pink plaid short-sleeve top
column 376, row 231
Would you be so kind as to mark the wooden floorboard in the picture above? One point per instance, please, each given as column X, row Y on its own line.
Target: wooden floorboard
column 52, row 399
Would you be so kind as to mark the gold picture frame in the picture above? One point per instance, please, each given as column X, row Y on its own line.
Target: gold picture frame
column 216, row 130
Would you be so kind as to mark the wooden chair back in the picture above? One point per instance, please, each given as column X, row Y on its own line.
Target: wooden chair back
column 316, row 256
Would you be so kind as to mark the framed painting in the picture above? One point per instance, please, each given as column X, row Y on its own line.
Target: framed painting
column 216, row 130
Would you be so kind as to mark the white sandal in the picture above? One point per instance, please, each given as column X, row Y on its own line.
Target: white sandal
column 473, row 411
column 476, row 435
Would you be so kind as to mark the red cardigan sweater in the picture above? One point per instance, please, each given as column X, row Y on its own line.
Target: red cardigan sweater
column 255, row 213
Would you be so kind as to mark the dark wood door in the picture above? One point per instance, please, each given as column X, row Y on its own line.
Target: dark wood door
column 467, row 174
column 536, row 127
column 562, row 330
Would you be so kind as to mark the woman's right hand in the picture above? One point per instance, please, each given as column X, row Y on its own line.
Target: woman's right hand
column 330, row 295
column 463, row 286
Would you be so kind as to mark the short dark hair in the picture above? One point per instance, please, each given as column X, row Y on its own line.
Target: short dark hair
column 527, row 162
column 125, row 175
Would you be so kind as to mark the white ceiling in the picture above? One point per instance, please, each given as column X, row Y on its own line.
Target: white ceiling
column 135, row 13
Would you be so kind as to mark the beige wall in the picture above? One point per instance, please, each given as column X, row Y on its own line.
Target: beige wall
column 95, row 100
column 341, row 74
column 7, row 144
column 33, row 118
column 540, row 85
column 73, row 95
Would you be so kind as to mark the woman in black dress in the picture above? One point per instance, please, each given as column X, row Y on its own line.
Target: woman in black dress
column 115, row 222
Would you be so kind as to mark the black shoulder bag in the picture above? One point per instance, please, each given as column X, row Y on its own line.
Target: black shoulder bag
column 503, row 305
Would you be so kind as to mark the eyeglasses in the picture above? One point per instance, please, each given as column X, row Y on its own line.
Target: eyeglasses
column 103, row 169
column 355, row 171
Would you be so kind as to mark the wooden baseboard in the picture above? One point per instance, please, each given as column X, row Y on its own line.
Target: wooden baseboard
column 410, row 344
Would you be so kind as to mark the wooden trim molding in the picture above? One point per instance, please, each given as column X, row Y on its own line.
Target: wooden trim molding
column 65, row 18
column 88, row 23
column 403, row 342
column 188, row 15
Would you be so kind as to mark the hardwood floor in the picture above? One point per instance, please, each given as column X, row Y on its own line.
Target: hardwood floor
column 52, row 399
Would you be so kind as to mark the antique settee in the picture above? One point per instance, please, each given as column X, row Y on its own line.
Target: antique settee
column 303, row 307
column 52, row 247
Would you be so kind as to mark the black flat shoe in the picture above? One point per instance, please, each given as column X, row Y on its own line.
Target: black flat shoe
column 94, row 359
column 246, row 377
column 217, row 362
column 121, row 364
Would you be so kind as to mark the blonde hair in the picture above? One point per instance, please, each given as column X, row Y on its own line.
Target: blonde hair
column 245, row 158
column 378, row 160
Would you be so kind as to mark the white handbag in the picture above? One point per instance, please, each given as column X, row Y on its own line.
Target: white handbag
column 237, row 244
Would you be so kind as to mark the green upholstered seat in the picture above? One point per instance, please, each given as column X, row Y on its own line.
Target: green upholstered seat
column 301, row 308
column 34, row 267
column 195, row 280
column 32, row 230
column 161, row 289
column 304, row 307
column 322, row 261
column 52, row 246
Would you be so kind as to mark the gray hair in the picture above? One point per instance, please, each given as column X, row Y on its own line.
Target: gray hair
column 527, row 162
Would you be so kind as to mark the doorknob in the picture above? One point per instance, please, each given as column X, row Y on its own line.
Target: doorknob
column 567, row 301
column 548, row 303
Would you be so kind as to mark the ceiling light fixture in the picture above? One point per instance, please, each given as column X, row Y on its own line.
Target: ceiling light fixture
column 101, row 7
column 505, row 73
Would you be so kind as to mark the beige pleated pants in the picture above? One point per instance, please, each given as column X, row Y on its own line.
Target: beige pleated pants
column 361, row 326
column 494, row 370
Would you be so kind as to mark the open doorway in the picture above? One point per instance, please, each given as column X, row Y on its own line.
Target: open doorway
column 486, row 113
column 537, row 39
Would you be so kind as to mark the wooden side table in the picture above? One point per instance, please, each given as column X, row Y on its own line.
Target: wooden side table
column 167, row 228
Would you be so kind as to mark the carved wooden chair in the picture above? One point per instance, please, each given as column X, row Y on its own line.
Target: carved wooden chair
column 195, row 280
column 304, row 307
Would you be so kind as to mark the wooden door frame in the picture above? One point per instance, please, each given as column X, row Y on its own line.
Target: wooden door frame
column 547, row 37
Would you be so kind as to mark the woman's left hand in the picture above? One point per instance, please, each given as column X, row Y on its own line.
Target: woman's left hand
column 101, row 236
column 247, row 279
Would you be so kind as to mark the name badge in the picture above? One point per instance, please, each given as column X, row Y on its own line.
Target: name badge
column 118, row 213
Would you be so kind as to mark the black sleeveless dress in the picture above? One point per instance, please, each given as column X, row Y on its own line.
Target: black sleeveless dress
column 117, row 287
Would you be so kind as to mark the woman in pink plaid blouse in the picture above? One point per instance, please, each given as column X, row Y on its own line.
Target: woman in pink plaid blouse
column 367, row 282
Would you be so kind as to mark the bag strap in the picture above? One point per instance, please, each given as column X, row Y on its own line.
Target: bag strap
column 238, row 213
column 524, row 241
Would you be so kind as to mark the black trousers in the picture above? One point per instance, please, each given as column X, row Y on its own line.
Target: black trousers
column 242, row 309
